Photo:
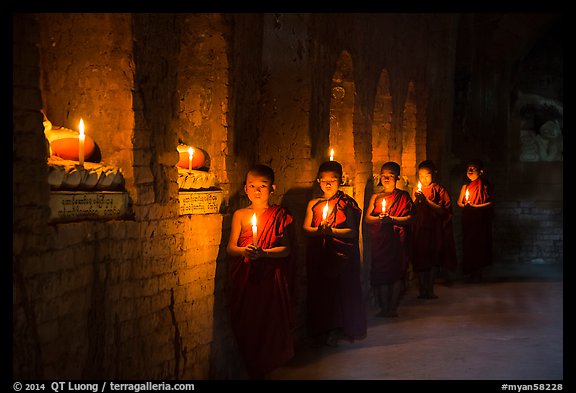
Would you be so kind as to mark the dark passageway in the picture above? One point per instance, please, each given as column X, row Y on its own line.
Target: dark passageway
column 507, row 328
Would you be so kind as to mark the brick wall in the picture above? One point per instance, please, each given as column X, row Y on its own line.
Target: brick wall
column 127, row 299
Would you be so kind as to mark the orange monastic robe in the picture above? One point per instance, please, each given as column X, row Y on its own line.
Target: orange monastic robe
column 260, row 301
column 433, row 232
column 477, row 227
column 333, row 273
column 391, row 252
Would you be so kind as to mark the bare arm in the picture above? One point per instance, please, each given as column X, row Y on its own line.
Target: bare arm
column 251, row 251
column 482, row 204
column 307, row 226
column 348, row 232
column 461, row 198
column 401, row 220
column 280, row 251
column 232, row 248
column 369, row 218
column 419, row 197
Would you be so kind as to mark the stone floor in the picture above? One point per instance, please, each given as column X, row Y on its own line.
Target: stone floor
column 507, row 328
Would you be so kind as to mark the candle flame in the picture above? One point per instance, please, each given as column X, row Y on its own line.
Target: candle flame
column 467, row 195
column 331, row 154
column 254, row 230
column 81, row 128
column 383, row 205
column 325, row 211
column 420, row 186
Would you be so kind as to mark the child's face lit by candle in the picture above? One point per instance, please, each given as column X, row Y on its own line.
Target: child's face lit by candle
column 425, row 177
column 389, row 179
column 473, row 172
column 329, row 183
column 258, row 188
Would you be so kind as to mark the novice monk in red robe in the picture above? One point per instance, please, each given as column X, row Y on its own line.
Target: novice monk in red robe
column 260, row 301
column 477, row 216
column 390, row 235
column 335, row 306
column 433, row 234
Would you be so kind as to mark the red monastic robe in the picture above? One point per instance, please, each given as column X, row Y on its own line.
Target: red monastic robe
column 333, row 272
column 391, row 247
column 477, row 227
column 433, row 232
column 260, row 302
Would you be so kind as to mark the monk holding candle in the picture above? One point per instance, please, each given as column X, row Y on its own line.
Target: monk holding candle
column 432, row 229
column 477, row 215
column 390, row 235
column 335, row 306
column 260, row 298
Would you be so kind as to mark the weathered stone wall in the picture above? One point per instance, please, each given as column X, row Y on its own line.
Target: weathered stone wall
column 127, row 299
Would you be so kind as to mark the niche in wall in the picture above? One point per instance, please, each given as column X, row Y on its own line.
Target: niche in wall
column 342, row 101
column 382, row 125
column 409, row 123
column 537, row 112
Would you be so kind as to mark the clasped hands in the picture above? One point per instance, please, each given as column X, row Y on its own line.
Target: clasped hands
column 324, row 228
column 385, row 218
column 253, row 252
column 420, row 197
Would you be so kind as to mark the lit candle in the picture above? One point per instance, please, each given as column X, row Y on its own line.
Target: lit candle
column 467, row 195
column 383, row 205
column 325, row 212
column 254, row 229
column 331, row 154
column 81, row 138
column 190, row 155
column 419, row 186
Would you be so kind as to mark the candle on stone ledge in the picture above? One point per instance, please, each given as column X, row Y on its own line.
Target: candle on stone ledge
column 81, row 138
column 190, row 156
column 254, row 230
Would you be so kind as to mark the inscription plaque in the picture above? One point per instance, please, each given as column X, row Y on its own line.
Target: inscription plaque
column 79, row 205
column 200, row 202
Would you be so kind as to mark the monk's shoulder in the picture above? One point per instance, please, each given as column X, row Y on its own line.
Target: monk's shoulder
column 314, row 201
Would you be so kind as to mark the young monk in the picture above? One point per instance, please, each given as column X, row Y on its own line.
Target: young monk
column 476, row 201
column 433, row 234
column 390, row 235
column 335, row 306
column 260, row 303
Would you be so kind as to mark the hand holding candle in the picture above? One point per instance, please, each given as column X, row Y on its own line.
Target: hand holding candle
column 81, row 138
column 325, row 212
column 419, row 196
column 254, row 230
